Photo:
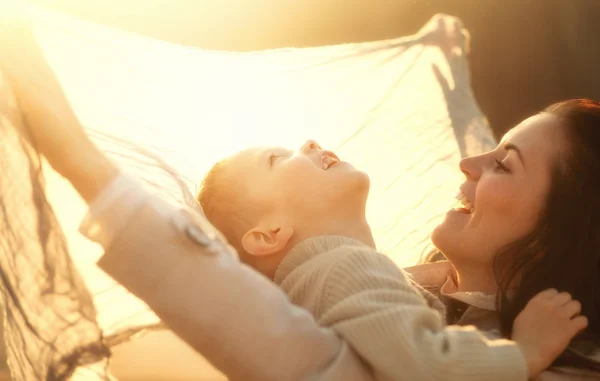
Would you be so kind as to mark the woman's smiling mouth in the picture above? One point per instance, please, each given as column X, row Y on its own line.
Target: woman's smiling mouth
column 463, row 204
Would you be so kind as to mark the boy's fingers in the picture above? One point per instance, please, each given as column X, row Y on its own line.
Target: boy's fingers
column 578, row 324
column 546, row 294
column 571, row 309
column 561, row 299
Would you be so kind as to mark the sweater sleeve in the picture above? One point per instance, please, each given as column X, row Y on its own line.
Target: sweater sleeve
column 370, row 303
column 242, row 323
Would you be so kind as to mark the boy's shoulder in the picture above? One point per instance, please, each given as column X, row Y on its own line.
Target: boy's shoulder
column 340, row 261
column 322, row 250
column 359, row 258
column 323, row 255
column 320, row 279
column 327, row 254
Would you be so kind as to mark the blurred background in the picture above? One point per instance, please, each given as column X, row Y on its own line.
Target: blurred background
column 525, row 54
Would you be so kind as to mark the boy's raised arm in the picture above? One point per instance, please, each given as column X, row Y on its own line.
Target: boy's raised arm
column 240, row 321
column 165, row 255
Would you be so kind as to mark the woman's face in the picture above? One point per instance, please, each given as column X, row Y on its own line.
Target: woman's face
column 503, row 194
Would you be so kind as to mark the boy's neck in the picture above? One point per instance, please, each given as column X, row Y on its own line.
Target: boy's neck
column 357, row 229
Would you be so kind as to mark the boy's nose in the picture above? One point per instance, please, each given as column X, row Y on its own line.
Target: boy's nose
column 310, row 146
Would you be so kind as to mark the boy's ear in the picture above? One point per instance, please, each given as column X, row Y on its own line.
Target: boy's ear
column 261, row 241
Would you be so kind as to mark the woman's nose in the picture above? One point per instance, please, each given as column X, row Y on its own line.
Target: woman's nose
column 471, row 167
column 310, row 146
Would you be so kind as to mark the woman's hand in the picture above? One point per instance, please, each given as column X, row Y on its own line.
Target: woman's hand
column 546, row 326
column 54, row 129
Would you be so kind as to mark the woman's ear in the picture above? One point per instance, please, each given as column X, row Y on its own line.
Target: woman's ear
column 261, row 241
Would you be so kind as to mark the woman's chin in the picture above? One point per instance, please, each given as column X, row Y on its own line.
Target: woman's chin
column 456, row 220
column 437, row 235
column 450, row 232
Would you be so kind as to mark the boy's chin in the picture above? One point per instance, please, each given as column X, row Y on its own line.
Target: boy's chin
column 353, row 201
column 338, row 197
column 365, row 181
column 354, row 182
column 359, row 187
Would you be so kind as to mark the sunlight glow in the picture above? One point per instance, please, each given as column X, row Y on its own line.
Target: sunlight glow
column 379, row 105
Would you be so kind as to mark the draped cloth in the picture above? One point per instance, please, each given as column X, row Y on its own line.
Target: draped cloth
column 400, row 109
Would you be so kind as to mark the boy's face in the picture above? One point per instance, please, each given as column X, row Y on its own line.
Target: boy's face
column 307, row 184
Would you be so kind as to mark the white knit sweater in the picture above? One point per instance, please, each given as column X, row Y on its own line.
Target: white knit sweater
column 369, row 302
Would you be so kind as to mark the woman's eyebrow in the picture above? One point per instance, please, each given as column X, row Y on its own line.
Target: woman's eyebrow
column 512, row 147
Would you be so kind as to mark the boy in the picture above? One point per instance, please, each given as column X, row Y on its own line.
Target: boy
column 299, row 218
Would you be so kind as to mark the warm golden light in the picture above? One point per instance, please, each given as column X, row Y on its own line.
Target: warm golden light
column 379, row 105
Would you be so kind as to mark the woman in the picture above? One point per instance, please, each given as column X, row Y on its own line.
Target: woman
column 527, row 221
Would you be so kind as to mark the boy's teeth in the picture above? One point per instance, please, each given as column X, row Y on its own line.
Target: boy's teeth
column 328, row 161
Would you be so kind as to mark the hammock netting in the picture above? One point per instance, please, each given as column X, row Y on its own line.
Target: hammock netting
column 400, row 109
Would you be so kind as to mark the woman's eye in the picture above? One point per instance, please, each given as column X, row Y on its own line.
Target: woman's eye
column 501, row 166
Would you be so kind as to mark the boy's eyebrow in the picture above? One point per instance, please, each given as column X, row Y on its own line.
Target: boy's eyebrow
column 268, row 157
column 273, row 153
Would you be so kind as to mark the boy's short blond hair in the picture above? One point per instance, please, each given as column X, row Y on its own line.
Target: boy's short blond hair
column 226, row 203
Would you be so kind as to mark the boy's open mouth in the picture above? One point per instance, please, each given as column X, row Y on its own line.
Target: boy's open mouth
column 328, row 160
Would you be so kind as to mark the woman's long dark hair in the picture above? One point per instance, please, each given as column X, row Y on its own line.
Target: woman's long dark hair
column 563, row 251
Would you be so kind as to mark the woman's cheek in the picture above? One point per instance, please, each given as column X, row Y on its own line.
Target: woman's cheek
column 497, row 198
column 509, row 211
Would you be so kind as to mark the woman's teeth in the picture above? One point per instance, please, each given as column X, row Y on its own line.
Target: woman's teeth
column 329, row 161
column 463, row 203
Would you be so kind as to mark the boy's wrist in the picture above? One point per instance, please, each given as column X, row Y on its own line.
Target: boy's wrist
column 59, row 137
column 89, row 172
column 532, row 358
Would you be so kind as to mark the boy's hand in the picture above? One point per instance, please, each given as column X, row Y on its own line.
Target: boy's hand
column 546, row 326
column 54, row 128
column 38, row 92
